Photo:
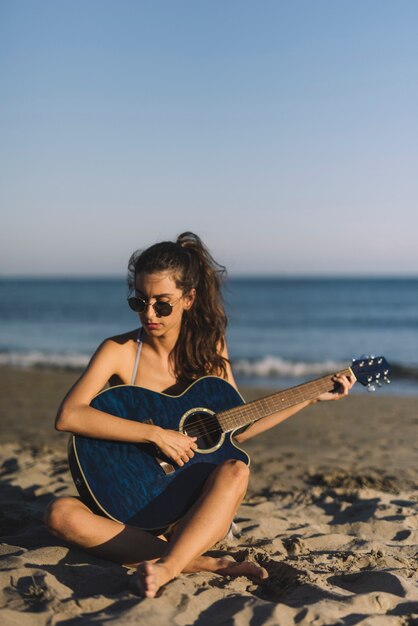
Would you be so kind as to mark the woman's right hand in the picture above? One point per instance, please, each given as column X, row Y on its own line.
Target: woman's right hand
column 175, row 445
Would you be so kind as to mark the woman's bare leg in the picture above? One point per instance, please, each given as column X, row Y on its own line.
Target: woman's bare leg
column 71, row 520
column 204, row 525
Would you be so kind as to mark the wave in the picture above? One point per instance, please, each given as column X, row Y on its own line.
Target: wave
column 273, row 367
column 39, row 359
column 276, row 367
column 268, row 367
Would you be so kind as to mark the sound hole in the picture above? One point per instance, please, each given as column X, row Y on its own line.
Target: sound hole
column 205, row 427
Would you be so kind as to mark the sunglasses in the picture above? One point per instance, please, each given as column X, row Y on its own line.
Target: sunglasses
column 162, row 309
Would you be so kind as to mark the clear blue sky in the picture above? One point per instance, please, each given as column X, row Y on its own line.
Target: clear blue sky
column 285, row 133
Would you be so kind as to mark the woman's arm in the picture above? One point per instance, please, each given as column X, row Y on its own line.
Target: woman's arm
column 343, row 386
column 75, row 414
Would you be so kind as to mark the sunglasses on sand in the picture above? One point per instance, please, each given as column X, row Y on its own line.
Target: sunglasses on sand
column 161, row 308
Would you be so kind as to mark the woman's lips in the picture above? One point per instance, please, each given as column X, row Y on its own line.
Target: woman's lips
column 152, row 325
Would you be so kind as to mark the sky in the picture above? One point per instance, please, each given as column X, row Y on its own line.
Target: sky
column 284, row 133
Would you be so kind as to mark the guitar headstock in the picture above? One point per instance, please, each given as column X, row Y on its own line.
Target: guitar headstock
column 371, row 369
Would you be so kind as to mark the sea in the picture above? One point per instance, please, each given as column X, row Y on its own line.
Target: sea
column 281, row 331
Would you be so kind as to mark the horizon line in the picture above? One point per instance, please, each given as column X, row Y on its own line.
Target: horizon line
column 233, row 275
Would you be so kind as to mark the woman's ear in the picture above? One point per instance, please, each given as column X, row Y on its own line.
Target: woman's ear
column 189, row 299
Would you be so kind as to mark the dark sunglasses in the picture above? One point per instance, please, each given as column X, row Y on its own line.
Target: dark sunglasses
column 162, row 309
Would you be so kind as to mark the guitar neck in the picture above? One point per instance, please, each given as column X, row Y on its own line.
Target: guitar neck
column 257, row 409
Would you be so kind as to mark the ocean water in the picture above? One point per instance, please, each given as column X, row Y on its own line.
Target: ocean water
column 282, row 331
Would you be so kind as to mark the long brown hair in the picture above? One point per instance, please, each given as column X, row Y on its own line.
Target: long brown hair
column 202, row 335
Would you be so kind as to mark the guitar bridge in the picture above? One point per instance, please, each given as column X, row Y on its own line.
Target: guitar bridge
column 165, row 465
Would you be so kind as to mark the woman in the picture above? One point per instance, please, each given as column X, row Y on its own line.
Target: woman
column 175, row 288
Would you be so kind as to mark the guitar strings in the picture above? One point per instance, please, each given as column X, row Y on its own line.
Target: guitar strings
column 214, row 426
column 261, row 408
column 200, row 430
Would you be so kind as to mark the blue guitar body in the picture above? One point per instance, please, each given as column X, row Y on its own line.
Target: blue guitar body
column 128, row 482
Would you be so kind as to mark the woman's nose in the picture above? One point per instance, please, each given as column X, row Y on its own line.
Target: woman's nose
column 147, row 311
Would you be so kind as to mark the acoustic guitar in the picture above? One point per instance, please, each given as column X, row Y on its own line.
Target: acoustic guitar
column 134, row 484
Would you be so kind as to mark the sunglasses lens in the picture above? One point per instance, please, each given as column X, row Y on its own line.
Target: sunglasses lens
column 162, row 308
column 136, row 304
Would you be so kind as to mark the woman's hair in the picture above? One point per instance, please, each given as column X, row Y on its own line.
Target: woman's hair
column 201, row 340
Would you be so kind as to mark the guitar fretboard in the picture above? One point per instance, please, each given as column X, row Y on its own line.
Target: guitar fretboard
column 257, row 409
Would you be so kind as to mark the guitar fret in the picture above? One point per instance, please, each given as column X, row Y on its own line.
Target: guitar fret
column 257, row 409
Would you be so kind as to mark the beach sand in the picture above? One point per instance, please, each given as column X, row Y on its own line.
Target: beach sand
column 331, row 512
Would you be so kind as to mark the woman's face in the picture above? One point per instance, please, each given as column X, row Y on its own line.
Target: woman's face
column 161, row 287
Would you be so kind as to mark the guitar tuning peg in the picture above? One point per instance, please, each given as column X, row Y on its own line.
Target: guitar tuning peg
column 379, row 384
column 371, row 387
column 387, row 380
column 372, row 356
column 379, row 360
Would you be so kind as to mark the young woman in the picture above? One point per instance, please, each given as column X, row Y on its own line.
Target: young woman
column 175, row 288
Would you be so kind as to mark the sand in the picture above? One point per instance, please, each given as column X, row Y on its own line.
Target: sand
column 331, row 512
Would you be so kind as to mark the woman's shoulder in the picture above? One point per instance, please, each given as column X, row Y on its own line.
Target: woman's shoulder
column 122, row 340
column 112, row 357
column 116, row 346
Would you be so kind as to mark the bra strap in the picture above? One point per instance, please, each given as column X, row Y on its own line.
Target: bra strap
column 138, row 353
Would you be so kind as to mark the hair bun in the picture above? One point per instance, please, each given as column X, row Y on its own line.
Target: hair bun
column 189, row 240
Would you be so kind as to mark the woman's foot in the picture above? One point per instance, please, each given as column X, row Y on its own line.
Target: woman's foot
column 227, row 566
column 151, row 576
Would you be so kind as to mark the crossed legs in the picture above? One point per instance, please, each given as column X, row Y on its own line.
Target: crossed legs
column 159, row 561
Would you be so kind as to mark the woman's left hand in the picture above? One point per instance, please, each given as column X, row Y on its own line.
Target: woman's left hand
column 343, row 386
